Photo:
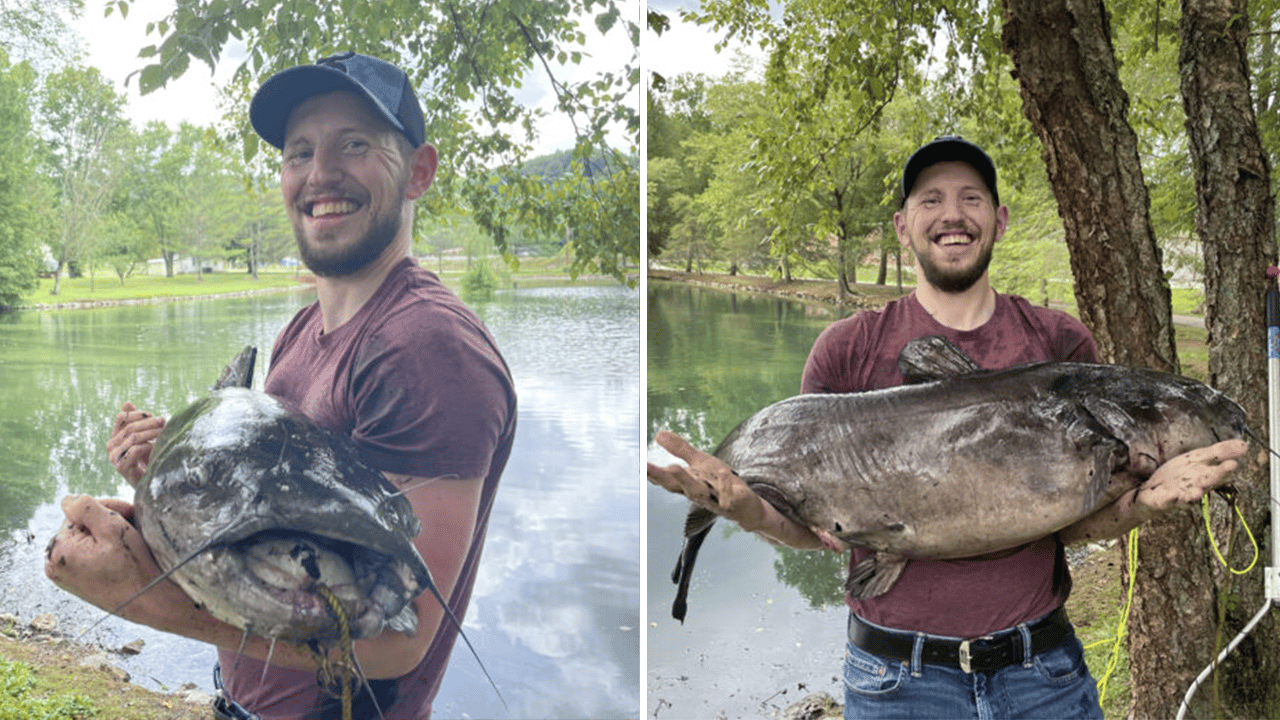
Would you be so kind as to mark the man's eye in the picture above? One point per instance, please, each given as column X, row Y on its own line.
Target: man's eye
column 355, row 146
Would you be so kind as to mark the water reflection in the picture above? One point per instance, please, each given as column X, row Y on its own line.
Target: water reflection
column 765, row 624
column 555, row 610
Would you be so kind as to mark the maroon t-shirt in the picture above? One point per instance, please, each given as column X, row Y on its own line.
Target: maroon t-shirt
column 416, row 380
column 966, row 597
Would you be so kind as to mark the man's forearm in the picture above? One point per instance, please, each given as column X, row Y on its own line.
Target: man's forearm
column 778, row 528
column 1111, row 521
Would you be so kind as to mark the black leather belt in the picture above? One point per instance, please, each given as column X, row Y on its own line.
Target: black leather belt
column 979, row 654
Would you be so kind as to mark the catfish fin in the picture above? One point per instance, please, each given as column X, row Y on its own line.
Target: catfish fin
column 240, row 372
column 933, row 357
column 874, row 575
column 1143, row 454
column 696, row 528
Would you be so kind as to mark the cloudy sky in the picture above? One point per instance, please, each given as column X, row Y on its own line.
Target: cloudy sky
column 686, row 47
column 112, row 45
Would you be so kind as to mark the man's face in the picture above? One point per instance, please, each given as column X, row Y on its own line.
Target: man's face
column 951, row 224
column 344, row 181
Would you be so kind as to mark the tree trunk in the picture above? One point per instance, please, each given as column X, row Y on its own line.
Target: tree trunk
column 1235, row 222
column 1071, row 92
column 1066, row 68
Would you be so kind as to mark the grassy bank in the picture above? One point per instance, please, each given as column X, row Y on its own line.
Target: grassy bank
column 109, row 289
column 46, row 675
column 106, row 290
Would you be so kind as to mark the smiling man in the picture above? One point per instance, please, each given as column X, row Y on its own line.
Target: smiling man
column 386, row 354
column 978, row 637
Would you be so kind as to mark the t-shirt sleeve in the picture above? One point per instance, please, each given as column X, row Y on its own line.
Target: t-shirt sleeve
column 432, row 397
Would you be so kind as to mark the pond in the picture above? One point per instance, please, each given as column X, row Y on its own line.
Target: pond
column 555, row 612
column 765, row 625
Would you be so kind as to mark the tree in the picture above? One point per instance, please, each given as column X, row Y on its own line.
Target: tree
column 1097, row 146
column 1072, row 94
column 1235, row 221
column 468, row 59
column 20, row 224
column 81, row 113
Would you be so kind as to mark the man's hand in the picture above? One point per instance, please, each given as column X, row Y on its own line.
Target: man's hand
column 132, row 438
column 98, row 555
column 708, row 482
column 1182, row 479
column 1187, row 477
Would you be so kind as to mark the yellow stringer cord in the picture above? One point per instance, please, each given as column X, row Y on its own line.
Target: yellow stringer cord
column 340, row 672
column 1204, row 507
column 1113, row 661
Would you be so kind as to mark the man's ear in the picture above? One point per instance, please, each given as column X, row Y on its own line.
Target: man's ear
column 422, row 171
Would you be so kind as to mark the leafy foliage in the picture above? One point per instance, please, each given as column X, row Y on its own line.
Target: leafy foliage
column 469, row 60
column 20, row 223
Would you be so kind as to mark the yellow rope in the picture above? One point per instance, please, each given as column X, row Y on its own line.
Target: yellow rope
column 341, row 674
column 1113, row 661
column 1204, row 508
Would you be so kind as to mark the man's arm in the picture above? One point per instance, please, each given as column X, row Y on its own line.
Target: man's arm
column 1183, row 479
column 100, row 557
column 710, row 483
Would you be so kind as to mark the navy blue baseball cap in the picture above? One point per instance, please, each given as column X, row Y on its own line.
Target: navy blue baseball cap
column 385, row 86
column 942, row 149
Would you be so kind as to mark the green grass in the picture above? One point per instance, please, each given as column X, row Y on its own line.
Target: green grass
column 103, row 288
column 110, row 289
column 22, row 699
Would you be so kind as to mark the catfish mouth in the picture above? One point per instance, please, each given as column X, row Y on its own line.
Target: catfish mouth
column 300, row 587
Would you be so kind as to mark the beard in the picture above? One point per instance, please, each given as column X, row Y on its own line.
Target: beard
column 954, row 280
column 339, row 262
column 349, row 261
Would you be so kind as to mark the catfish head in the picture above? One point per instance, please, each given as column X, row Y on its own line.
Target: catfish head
column 1158, row 415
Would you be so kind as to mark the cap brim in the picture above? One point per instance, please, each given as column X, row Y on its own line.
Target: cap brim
column 276, row 100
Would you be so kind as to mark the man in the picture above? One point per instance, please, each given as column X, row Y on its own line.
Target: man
column 904, row 645
column 387, row 354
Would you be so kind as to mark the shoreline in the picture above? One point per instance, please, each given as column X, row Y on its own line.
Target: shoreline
column 63, row 666
column 159, row 299
column 306, row 282
column 865, row 295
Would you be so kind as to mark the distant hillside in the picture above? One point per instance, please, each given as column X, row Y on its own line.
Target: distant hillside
column 557, row 164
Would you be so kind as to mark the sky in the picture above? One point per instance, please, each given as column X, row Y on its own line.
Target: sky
column 686, row 47
column 112, row 45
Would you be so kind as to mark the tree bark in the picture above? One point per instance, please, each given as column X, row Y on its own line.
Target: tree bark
column 1071, row 93
column 1235, row 222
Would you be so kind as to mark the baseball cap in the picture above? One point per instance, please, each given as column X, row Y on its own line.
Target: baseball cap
column 385, row 86
column 942, row 149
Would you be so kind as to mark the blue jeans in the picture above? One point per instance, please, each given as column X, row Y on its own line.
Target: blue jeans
column 1054, row 685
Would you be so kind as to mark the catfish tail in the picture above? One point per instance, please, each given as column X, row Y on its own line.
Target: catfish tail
column 696, row 527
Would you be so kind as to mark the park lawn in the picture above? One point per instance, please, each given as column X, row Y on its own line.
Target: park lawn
column 141, row 287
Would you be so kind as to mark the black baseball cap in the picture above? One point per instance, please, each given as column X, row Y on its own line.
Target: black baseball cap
column 385, row 86
column 942, row 149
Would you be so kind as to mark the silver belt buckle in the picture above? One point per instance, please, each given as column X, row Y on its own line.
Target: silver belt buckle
column 966, row 657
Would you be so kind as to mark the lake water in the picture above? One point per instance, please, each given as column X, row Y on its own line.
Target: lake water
column 765, row 625
column 555, row 613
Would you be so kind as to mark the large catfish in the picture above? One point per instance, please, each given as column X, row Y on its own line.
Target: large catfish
column 275, row 525
column 961, row 461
